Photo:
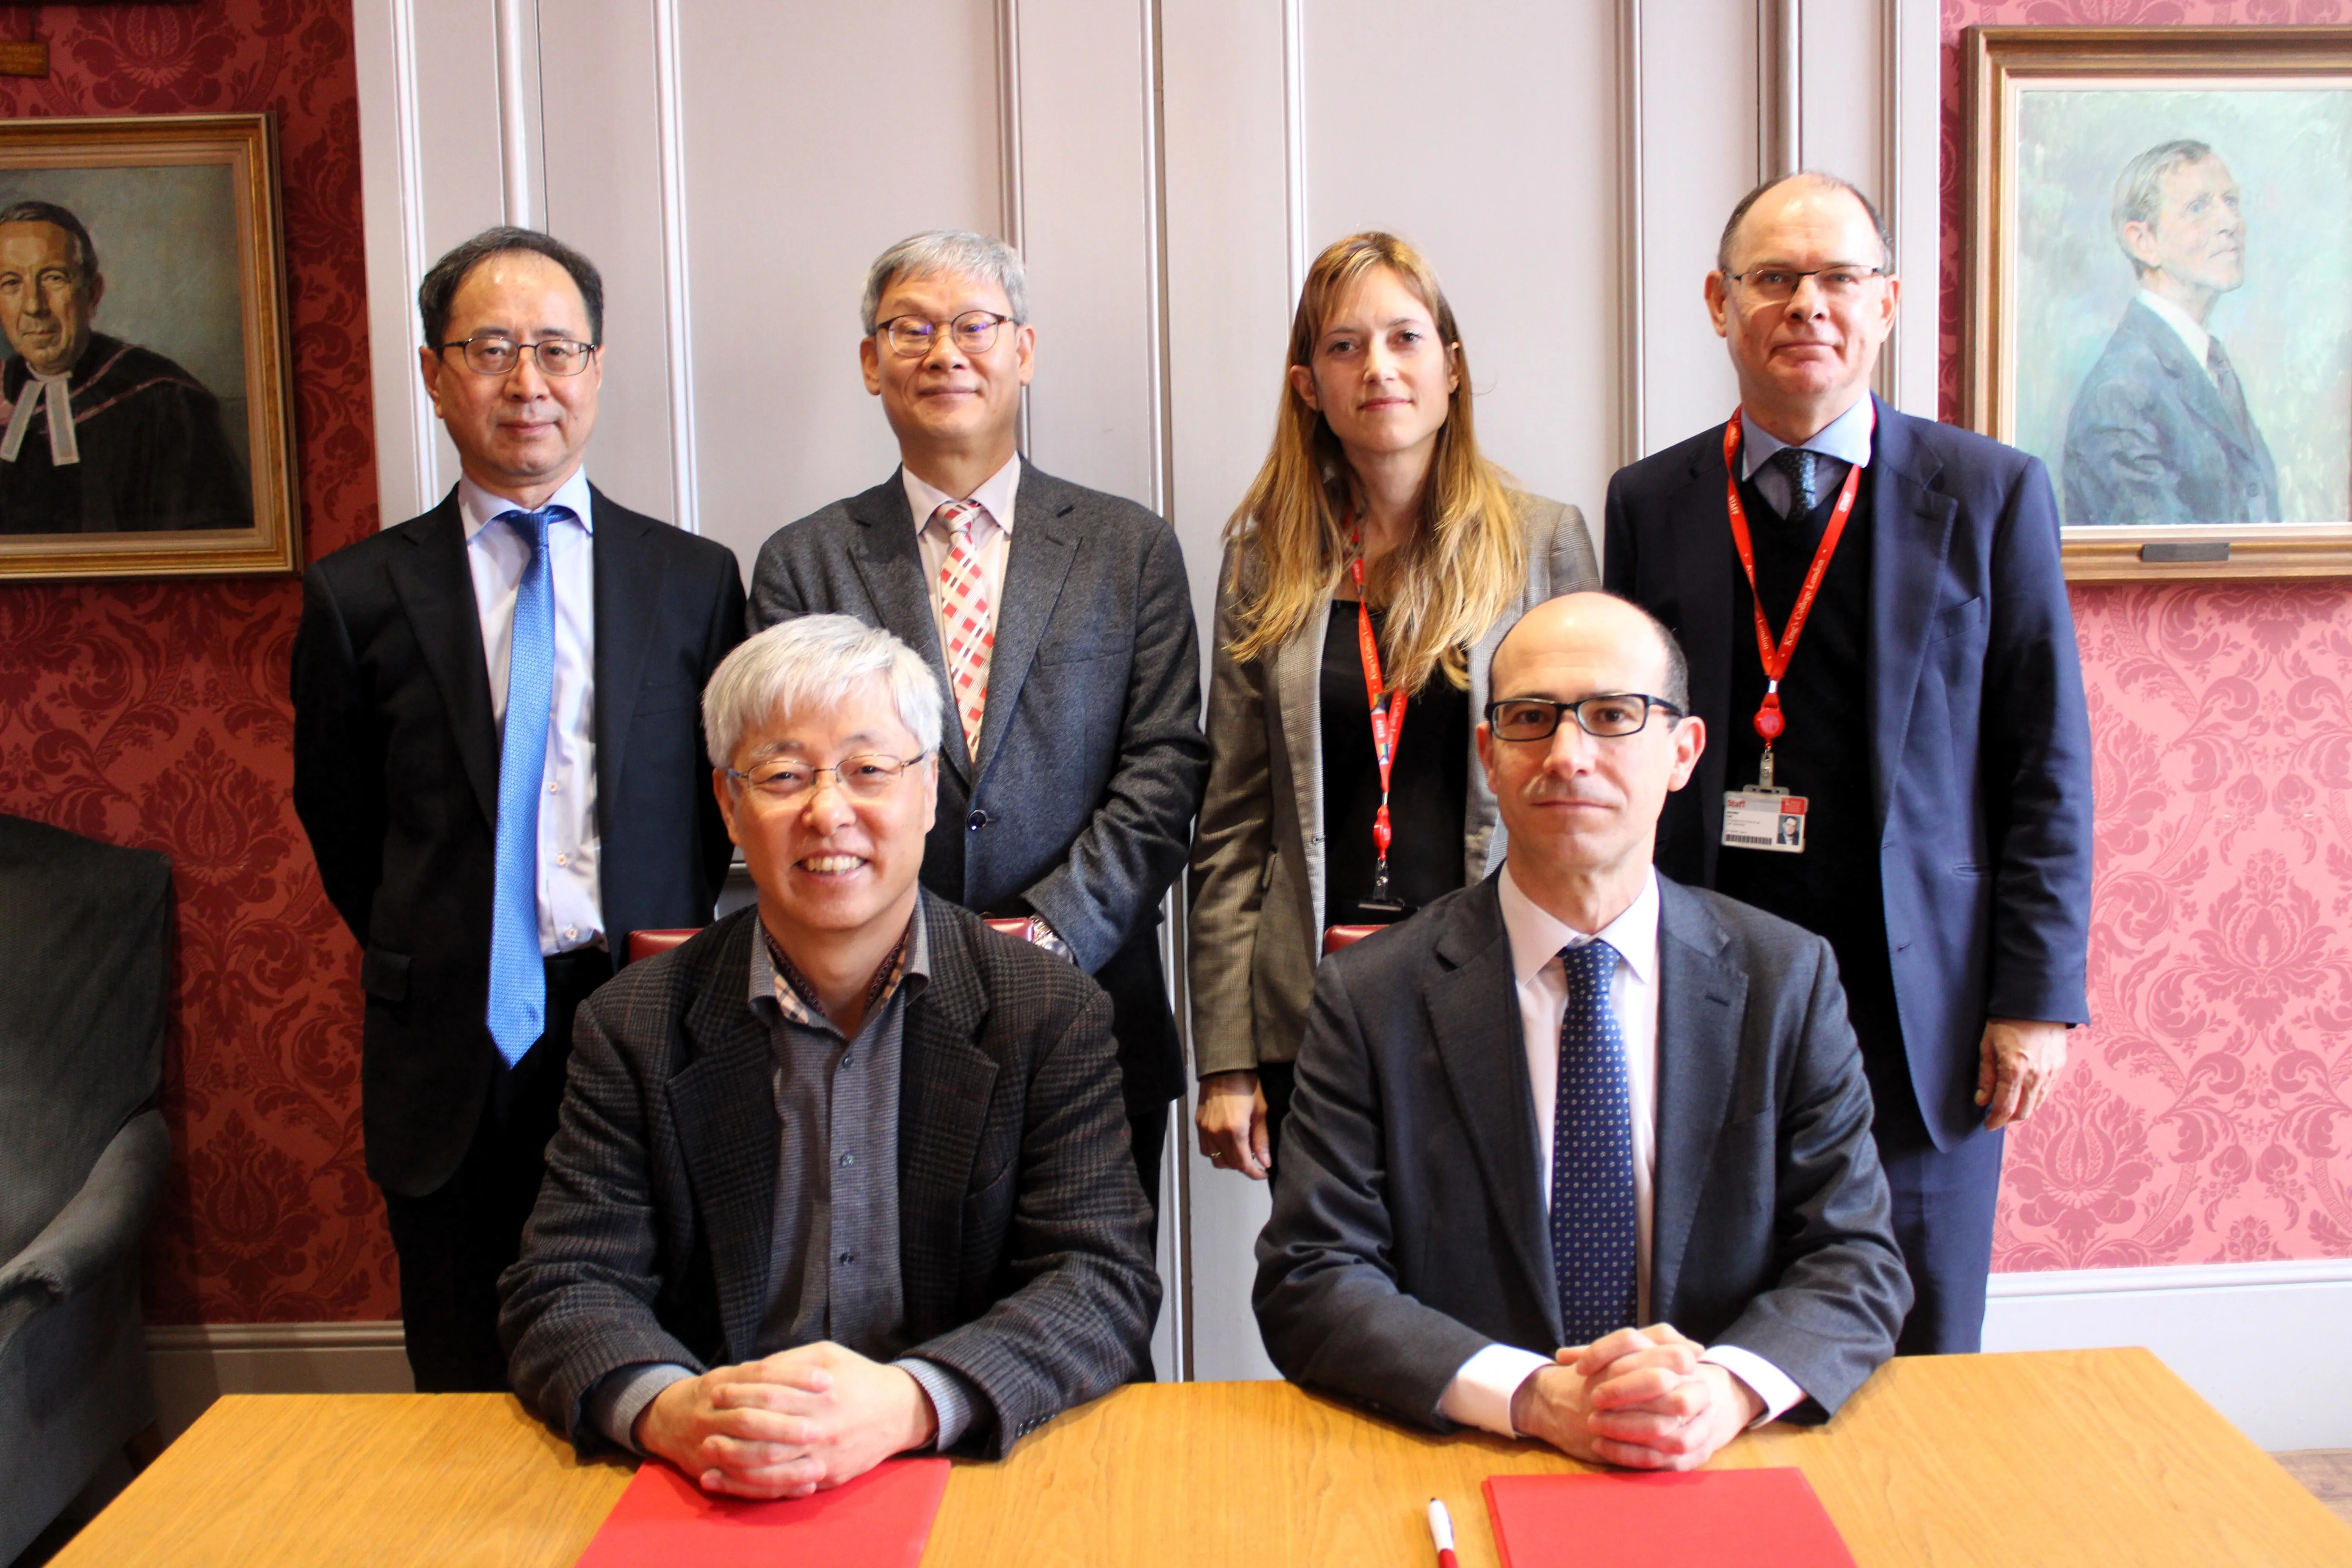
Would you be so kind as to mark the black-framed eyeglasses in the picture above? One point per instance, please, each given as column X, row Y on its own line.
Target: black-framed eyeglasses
column 495, row 354
column 911, row 337
column 1776, row 285
column 868, row 776
column 1611, row 716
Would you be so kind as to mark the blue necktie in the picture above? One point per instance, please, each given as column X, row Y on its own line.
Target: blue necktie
column 1592, row 1246
column 518, row 1010
column 1802, row 469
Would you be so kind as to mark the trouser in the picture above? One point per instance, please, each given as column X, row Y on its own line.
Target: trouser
column 1147, row 1134
column 1943, row 1209
column 454, row 1243
column 1275, row 1080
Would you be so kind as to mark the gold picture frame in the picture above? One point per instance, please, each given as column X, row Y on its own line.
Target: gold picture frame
column 2071, row 131
column 184, row 385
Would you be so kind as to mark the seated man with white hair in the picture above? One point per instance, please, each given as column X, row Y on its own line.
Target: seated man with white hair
column 845, row 1175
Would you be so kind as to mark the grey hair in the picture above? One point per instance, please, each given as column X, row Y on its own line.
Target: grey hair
column 815, row 661
column 2139, row 189
column 946, row 250
column 1814, row 176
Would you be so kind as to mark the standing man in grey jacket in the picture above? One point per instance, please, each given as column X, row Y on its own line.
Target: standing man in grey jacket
column 1059, row 621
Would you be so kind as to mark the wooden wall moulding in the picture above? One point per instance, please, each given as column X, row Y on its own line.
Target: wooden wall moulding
column 2158, row 289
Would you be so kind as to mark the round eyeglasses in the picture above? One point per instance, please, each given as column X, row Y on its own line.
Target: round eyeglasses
column 868, row 776
column 1777, row 285
column 495, row 354
column 1611, row 717
column 911, row 337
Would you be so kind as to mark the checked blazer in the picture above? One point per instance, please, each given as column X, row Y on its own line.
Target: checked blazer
column 1024, row 1243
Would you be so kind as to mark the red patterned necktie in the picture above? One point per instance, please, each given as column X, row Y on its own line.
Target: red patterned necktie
column 964, row 615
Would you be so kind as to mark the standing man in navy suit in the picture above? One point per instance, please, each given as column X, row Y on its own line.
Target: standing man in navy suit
column 1923, row 722
column 490, row 867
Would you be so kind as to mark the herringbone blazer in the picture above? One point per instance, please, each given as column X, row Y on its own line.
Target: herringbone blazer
column 1024, row 1242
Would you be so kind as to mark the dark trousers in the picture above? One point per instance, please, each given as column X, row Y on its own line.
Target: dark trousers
column 454, row 1242
column 1942, row 1202
column 1275, row 1080
column 1147, row 1134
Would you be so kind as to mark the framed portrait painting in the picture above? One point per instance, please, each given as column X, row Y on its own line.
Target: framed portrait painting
column 2158, row 298
column 146, row 402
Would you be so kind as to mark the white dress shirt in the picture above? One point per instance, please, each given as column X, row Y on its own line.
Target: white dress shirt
column 1845, row 440
column 1480, row 1392
column 2191, row 330
column 991, row 535
column 570, row 908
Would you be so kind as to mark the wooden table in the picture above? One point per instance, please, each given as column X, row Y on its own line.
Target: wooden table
column 2060, row 1458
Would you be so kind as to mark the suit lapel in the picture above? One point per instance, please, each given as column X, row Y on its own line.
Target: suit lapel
column 889, row 561
column 629, row 577
column 1911, row 532
column 945, row 1083
column 1701, row 1000
column 1298, row 698
column 1473, row 1022
column 437, row 588
column 725, row 1110
column 2198, row 393
column 1045, row 543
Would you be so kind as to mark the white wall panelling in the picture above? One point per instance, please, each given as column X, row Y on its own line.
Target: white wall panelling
column 1168, row 172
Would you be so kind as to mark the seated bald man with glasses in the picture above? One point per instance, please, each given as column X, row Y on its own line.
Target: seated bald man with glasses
column 846, row 1174
column 1578, row 1153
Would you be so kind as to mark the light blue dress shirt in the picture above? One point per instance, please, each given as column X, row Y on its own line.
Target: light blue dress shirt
column 1845, row 440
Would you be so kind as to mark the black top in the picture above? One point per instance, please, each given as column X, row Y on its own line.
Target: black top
column 1429, row 783
column 1824, row 754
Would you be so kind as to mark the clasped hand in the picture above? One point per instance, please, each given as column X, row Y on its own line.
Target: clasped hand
column 1639, row 1398
column 786, row 1425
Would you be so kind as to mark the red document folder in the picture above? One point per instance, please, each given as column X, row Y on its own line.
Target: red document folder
column 878, row 1520
column 1756, row 1519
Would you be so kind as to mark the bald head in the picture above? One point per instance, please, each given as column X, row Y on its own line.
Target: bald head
column 1605, row 618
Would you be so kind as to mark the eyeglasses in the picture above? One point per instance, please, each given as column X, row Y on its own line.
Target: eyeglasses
column 494, row 354
column 1611, row 717
column 865, row 777
column 911, row 337
column 1777, row 285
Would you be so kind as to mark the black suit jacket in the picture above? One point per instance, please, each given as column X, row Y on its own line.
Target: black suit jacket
column 1079, row 806
column 2150, row 439
column 1980, row 742
column 1409, row 1229
column 1024, row 1243
column 396, row 781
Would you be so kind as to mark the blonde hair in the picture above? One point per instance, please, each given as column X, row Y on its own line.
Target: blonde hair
column 1461, row 568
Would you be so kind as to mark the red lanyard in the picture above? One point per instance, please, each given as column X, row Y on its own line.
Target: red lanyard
column 1387, row 714
column 1769, row 721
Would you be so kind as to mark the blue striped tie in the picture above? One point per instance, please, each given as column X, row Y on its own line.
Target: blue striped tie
column 1593, row 1247
column 518, row 1010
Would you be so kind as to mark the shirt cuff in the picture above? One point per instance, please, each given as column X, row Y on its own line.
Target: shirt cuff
column 620, row 1395
column 1480, row 1393
column 951, row 1397
column 1767, row 1381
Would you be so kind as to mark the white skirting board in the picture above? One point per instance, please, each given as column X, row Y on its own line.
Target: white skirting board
column 196, row 1364
column 2270, row 1345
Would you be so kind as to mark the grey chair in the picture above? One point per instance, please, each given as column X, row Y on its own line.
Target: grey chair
column 85, row 959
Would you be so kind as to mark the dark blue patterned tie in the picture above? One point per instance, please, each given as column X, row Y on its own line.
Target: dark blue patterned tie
column 1592, row 1242
column 518, row 1009
column 1803, row 470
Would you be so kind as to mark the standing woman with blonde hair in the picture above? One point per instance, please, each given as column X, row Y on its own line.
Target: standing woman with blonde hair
column 1375, row 562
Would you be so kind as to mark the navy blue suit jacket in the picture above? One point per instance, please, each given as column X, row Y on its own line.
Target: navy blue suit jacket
column 1980, row 743
column 2150, row 439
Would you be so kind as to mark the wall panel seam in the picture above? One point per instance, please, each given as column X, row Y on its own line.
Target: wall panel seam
column 678, row 315
column 407, row 118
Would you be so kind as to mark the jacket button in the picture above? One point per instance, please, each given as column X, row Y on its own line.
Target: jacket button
column 976, row 821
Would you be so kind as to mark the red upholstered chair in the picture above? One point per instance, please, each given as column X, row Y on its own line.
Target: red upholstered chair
column 1337, row 937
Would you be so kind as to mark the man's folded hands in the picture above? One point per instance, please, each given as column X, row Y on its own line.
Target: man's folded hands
column 788, row 1424
column 1639, row 1398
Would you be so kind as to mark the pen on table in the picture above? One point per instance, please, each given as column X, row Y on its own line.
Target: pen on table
column 1441, row 1529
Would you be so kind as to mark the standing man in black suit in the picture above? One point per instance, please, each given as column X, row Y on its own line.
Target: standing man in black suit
column 1058, row 619
column 1577, row 1098
column 491, row 869
column 1924, row 720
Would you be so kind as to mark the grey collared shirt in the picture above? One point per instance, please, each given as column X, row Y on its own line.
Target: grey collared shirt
column 832, row 1270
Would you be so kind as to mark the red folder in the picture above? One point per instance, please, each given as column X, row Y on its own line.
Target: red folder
column 878, row 1520
column 1758, row 1518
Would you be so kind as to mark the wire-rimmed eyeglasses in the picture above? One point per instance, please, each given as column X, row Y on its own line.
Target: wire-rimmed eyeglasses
column 868, row 776
column 911, row 337
column 495, row 354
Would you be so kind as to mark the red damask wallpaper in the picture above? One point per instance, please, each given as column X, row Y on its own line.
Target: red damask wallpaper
column 2208, row 1115
column 156, row 714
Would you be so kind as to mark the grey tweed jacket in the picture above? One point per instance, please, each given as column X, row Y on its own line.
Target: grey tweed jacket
column 1024, row 1243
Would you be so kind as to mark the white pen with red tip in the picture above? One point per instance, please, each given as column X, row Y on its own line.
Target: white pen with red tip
column 1440, row 1530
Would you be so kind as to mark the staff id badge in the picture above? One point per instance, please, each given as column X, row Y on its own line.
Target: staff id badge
column 1764, row 819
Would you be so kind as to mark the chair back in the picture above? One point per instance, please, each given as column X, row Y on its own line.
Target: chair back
column 85, row 966
column 1337, row 937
